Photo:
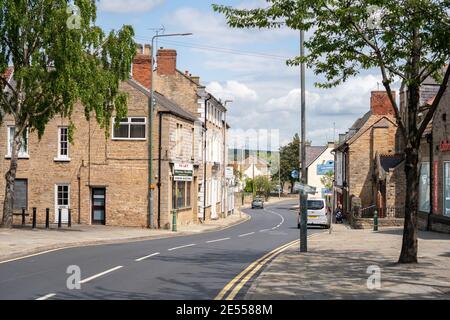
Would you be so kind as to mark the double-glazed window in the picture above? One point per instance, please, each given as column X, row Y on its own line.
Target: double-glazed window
column 181, row 194
column 424, row 188
column 133, row 128
column 23, row 151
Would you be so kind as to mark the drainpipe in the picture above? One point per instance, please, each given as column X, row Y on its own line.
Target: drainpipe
column 204, row 163
column 161, row 114
column 430, row 144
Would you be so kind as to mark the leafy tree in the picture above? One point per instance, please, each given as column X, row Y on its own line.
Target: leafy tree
column 404, row 39
column 249, row 183
column 289, row 160
column 263, row 186
column 60, row 58
column 328, row 180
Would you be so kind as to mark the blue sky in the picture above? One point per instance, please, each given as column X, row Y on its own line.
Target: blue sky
column 247, row 66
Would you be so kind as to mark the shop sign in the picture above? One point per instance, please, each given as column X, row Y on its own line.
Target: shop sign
column 445, row 146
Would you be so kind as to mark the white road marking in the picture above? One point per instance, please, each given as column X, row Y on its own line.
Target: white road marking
column 51, row 295
column 186, row 246
column 265, row 230
column 100, row 275
column 245, row 235
column 218, row 240
column 146, row 257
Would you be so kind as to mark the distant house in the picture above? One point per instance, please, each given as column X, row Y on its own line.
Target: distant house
column 319, row 162
column 254, row 166
column 369, row 167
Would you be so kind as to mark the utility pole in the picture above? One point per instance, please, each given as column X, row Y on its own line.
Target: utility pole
column 151, row 109
column 303, row 195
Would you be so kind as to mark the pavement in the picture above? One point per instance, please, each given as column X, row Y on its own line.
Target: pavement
column 188, row 267
column 336, row 267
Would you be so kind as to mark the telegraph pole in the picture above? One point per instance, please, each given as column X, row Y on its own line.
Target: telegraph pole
column 303, row 194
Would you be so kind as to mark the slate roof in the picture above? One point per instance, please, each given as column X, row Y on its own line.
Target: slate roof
column 390, row 161
column 164, row 102
column 312, row 153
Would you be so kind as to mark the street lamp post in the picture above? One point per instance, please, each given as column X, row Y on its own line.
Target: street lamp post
column 303, row 195
column 151, row 103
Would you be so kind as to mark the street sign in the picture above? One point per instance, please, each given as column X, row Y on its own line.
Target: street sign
column 295, row 174
column 229, row 173
column 304, row 188
column 183, row 172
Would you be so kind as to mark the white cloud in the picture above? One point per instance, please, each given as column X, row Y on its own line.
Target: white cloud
column 232, row 90
column 129, row 5
column 209, row 27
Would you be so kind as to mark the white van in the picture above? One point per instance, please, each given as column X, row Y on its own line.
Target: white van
column 317, row 213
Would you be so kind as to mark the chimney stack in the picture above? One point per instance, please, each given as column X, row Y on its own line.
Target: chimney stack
column 167, row 62
column 380, row 104
column 142, row 65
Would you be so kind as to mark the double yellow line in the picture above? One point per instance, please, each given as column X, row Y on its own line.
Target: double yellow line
column 235, row 285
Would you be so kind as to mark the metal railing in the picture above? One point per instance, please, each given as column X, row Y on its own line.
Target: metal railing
column 383, row 213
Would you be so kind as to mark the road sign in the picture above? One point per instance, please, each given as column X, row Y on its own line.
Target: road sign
column 305, row 188
column 295, row 174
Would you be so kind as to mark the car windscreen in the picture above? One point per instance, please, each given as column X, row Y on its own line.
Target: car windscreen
column 315, row 205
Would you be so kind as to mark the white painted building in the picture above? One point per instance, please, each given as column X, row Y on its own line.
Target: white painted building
column 319, row 161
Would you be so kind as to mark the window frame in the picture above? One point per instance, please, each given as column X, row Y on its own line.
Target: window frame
column 21, row 155
column 61, row 157
column 186, row 200
column 444, row 189
column 129, row 123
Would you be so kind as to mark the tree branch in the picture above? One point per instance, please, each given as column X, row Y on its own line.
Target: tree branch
column 435, row 105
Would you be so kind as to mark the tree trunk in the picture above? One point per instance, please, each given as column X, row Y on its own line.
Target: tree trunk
column 410, row 244
column 10, row 177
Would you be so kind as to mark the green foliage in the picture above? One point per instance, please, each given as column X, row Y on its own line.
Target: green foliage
column 56, row 66
column 409, row 42
column 263, row 186
column 328, row 180
column 248, row 185
column 290, row 159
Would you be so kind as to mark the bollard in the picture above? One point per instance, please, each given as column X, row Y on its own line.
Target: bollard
column 59, row 218
column 375, row 220
column 34, row 218
column 47, row 218
column 174, row 220
column 69, row 222
column 23, row 216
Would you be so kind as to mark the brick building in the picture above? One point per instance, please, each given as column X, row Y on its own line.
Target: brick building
column 368, row 169
column 105, row 180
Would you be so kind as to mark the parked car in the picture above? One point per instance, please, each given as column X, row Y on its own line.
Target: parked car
column 258, row 203
column 317, row 213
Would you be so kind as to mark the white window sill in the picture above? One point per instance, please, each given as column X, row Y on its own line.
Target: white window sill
column 62, row 159
column 20, row 157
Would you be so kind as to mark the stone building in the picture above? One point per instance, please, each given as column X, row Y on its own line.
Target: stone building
column 105, row 180
column 366, row 176
column 434, row 182
column 210, row 113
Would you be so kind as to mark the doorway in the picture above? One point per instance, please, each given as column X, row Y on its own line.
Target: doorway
column 99, row 206
column 62, row 202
